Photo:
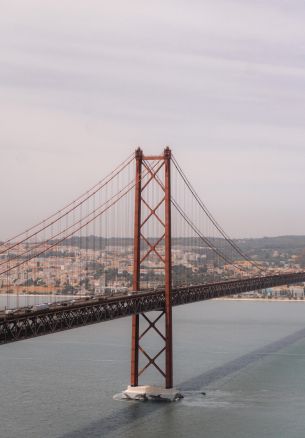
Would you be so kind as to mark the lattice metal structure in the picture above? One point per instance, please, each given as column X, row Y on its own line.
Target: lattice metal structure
column 22, row 326
column 147, row 209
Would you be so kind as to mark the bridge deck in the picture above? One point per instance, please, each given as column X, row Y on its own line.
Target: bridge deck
column 46, row 321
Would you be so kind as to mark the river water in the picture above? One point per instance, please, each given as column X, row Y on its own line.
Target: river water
column 14, row 301
column 248, row 357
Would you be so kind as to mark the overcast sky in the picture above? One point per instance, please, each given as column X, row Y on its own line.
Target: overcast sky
column 82, row 83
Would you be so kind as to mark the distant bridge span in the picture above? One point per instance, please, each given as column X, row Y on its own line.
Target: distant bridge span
column 47, row 321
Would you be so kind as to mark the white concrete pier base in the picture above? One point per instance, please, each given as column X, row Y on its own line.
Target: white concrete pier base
column 147, row 392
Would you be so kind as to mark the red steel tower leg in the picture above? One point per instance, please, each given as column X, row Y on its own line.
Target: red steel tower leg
column 161, row 162
column 134, row 377
column 168, row 274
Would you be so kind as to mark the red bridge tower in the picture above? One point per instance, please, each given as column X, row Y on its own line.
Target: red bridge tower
column 158, row 174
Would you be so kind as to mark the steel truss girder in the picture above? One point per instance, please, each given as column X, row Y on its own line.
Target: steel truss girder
column 15, row 328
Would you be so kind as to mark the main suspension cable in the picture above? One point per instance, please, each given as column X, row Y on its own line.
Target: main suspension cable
column 212, row 219
column 87, row 195
column 203, row 238
column 82, row 225
column 196, row 230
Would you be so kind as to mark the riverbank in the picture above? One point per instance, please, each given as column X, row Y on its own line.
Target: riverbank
column 279, row 300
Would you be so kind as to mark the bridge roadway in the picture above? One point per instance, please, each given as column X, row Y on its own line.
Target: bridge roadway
column 14, row 327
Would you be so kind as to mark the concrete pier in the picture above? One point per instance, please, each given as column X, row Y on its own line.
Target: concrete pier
column 147, row 392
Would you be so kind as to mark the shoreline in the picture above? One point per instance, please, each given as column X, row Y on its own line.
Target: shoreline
column 40, row 296
column 266, row 300
column 228, row 298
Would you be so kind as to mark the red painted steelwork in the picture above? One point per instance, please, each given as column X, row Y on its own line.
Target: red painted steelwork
column 134, row 374
column 168, row 273
column 164, row 164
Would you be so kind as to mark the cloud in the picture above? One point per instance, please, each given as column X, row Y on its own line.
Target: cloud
column 222, row 82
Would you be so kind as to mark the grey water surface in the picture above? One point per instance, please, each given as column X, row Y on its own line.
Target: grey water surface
column 248, row 357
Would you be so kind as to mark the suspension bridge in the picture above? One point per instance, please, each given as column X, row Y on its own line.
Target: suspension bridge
column 139, row 241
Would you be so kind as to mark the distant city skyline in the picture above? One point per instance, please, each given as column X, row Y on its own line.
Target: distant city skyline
column 82, row 84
